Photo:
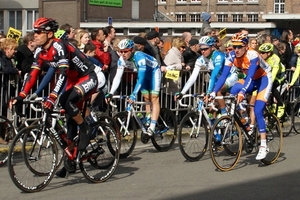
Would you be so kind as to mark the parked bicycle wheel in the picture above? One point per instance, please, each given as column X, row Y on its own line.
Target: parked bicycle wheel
column 7, row 133
column 128, row 136
column 101, row 157
column 226, row 152
column 296, row 117
column 193, row 136
column 274, row 138
column 165, row 131
column 25, row 159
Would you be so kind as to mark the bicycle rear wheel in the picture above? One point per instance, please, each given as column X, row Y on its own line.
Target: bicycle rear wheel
column 274, row 138
column 287, row 119
column 296, row 117
column 128, row 135
column 225, row 153
column 192, row 138
column 31, row 164
column 7, row 132
column 101, row 157
column 165, row 130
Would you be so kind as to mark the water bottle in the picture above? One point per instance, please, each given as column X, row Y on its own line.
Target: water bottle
column 245, row 120
column 140, row 116
column 217, row 136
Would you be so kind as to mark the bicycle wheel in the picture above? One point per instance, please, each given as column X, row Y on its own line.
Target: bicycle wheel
column 296, row 117
column 165, row 130
column 226, row 153
column 7, row 132
column 287, row 119
column 192, row 138
column 128, row 134
column 20, row 154
column 274, row 138
column 101, row 157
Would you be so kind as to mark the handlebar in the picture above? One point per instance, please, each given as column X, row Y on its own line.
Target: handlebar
column 212, row 105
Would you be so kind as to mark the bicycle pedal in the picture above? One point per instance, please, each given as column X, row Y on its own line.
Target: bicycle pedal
column 144, row 138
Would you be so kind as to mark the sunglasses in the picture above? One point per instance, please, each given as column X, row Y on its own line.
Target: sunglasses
column 204, row 49
column 39, row 31
column 230, row 49
column 238, row 47
column 124, row 51
column 263, row 52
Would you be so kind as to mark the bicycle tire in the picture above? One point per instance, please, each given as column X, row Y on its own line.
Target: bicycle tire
column 225, row 154
column 8, row 132
column 192, row 138
column 101, row 157
column 287, row 119
column 274, row 138
column 296, row 117
column 21, row 175
column 128, row 142
column 167, row 127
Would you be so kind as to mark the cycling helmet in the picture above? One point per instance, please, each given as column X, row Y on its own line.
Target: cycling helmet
column 207, row 40
column 266, row 47
column 45, row 24
column 239, row 39
column 228, row 44
column 126, row 44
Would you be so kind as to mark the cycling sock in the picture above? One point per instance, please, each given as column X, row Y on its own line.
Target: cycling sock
column 223, row 111
column 263, row 143
column 152, row 124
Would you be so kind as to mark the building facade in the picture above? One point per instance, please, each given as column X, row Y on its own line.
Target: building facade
column 172, row 17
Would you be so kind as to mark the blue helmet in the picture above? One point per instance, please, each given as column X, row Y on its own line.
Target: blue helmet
column 126, row 44
column 207, row 40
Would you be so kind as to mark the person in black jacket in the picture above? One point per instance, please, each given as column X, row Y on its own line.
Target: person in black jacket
column 191, row 54
column 24, row 55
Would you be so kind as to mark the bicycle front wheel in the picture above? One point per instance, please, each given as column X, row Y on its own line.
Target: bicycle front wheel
column 274, row 138
column 192, row 137
column 7, row 133
column 101, row 157
column 128, row 134
column 226, row 152
column 165, row 130
column 32, row 163
column 296, row 117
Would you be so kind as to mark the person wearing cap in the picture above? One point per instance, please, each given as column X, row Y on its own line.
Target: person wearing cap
column 258, row 77
column 191, row 54
column 139, row 43
column 206, row 20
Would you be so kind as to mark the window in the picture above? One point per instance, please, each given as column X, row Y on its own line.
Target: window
column 252, row 0
column 195, row 0
column 279, row 6
column 32, row 15
column 222, row 0
column 195, row 17
column 237, row 18
column 222, row 18
column 252, row 18
column 180, row 1
column 15, row 19
column 163, row 1
column 1, row 20
column 181, row 18
column 237, row 0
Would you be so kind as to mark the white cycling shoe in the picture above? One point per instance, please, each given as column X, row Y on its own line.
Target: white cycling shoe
column 262, row 153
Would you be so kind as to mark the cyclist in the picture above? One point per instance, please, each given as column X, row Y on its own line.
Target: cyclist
column 148, row 78
column 211, row 59
column 278, row 73
column 258, row 77
column 73, row 68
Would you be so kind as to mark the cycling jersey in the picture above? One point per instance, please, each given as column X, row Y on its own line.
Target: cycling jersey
column 278, row 69
column 63, row 56
column 296, row 73
column 251, row 64
column 147, row 68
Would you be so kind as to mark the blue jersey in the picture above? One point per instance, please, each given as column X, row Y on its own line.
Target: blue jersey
column 143, row 63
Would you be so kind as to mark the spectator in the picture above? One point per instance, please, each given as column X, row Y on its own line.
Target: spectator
column 191, row 54
column 139, row 43
column 186, row 36
column 275, row 40
column 25, row 53
column 244, row 31
column 287, row 37
column 83, row 38
column 206, row 18
column 207, row 31
column 89, row 50
column 110, row 35
column 253, row 44
column 281, row 51
column 69, row 30
column 102, row 54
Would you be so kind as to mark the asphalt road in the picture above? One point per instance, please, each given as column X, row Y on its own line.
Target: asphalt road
column 148, row 174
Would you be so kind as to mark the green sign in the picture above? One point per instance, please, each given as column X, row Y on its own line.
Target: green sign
column 111, row 3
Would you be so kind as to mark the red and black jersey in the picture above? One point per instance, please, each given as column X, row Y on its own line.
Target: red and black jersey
column 69, row 61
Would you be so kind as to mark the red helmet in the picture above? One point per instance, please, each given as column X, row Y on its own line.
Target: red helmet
column 46, row 24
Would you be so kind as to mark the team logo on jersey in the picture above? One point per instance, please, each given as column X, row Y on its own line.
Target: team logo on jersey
column 79, row 64
column 90, row 85
column 58, row 48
